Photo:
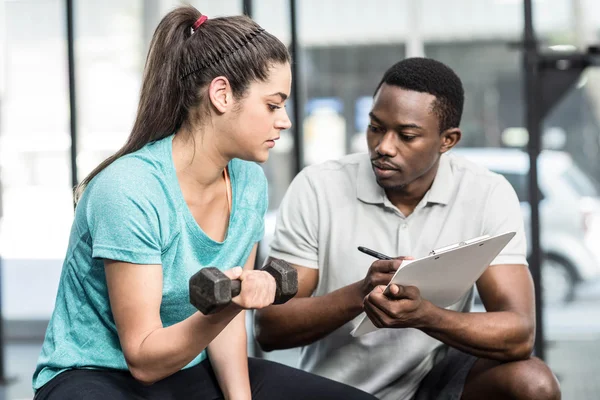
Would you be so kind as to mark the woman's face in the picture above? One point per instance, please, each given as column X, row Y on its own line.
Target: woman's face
column 260, row 116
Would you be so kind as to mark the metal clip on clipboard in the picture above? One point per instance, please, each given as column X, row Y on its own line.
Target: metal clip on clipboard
column 456, row 245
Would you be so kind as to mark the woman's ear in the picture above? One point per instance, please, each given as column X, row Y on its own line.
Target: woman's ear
column 450, row 138
column 220, row 94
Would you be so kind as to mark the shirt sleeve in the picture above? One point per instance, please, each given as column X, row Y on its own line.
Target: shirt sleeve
column 122, row 211
column 296, row 230
column 503, row 214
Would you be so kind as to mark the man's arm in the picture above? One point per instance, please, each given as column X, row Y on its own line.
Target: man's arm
column 305, row 319
column 506, row 332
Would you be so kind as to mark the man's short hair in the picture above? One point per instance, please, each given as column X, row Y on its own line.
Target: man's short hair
column 430, row 76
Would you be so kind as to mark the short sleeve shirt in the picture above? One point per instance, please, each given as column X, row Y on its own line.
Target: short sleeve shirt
column 332, row 208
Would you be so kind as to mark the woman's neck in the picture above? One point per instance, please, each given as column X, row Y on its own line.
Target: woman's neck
column 197, row 159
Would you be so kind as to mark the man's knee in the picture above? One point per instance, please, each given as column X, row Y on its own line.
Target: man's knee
column 533, row 380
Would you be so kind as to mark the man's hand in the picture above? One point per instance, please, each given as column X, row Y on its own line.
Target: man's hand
column 398, row 307
column 380, row 273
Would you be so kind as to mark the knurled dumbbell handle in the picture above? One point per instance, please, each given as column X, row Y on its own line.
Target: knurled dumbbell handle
column 236, row 287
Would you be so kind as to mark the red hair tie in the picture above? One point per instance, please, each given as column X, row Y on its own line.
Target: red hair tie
column 199, row 22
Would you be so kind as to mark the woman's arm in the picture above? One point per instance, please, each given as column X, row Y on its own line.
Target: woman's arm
column 153, row 352
column 228, row 354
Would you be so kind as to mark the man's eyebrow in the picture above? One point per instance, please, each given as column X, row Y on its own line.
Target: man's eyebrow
column 399, row 127
column 280, row 94
column 374, row 118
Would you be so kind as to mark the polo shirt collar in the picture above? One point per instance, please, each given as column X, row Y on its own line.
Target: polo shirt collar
column 367, row 189
column 443, row 184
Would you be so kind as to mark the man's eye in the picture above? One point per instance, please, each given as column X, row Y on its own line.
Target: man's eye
column 375, row 129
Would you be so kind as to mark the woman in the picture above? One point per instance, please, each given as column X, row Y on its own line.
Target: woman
column 183, row 193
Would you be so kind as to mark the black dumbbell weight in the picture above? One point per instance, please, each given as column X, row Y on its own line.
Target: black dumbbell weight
column 211, row 290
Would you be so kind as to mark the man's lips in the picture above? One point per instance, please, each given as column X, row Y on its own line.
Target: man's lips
column 385, row 167
column 383, row 171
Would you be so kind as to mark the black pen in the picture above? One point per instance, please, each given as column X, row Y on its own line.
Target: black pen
column 373, row 253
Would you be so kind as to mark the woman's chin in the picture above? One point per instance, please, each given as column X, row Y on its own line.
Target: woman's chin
column 258, row 157
column 263, row 158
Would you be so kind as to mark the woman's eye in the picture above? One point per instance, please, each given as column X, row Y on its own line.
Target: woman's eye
column 273, row 107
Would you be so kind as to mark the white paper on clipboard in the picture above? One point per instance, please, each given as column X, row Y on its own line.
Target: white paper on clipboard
column 446, row 274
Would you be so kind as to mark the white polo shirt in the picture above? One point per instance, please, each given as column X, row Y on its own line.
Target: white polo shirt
column 332, row 208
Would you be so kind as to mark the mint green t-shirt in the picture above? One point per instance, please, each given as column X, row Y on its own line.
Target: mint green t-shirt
column 134, row 211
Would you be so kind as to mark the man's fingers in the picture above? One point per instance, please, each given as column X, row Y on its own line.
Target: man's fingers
column 382, row 278
column 374, row 315
column 411, row 292
column 392, row 291
column 381, row 295
column 386, row 265
column 398, row 292
column 379, row 288
column 378, row 304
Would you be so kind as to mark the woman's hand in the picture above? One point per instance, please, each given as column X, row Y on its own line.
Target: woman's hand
column 258, row 288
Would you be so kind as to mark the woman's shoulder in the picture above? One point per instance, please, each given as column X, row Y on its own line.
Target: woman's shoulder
column 130, row 179
column 135, row 171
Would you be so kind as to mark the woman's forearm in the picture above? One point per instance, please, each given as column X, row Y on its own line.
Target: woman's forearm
column 228, row 354
column 164, row 351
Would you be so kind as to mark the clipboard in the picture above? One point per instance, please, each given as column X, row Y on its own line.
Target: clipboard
column 447, row 273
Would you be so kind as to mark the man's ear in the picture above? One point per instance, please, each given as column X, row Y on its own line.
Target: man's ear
column 450, row 138
column 220, row 94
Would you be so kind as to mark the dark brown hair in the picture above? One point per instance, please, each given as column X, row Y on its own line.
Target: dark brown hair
column 181, row 62
column 426, row 75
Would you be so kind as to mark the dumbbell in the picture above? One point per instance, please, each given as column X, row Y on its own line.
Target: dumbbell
column 211, row 290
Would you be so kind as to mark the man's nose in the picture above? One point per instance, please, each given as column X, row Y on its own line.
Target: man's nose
column 387, row 145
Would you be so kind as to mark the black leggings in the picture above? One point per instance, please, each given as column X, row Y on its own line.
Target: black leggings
column 268, row 380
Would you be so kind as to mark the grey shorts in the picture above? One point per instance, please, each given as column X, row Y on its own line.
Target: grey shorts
column 447, row 378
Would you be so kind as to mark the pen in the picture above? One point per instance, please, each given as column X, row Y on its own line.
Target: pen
column 378, row 255
column 373, row 253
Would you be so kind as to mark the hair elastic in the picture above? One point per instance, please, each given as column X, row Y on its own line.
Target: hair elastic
column 199, row 22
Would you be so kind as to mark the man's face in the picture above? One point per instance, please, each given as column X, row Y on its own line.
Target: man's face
column 403, row 137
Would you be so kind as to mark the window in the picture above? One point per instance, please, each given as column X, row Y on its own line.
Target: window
column 520, row 182
column 579, row 182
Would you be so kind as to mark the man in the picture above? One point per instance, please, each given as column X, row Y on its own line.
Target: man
column 406, row 197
